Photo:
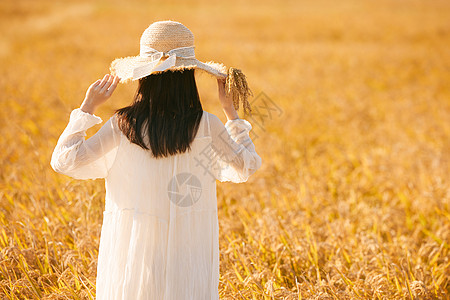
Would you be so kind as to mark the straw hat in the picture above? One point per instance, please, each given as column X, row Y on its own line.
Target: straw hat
column 169, row 45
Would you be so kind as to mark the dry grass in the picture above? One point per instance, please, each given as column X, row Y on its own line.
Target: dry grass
column 352, row 201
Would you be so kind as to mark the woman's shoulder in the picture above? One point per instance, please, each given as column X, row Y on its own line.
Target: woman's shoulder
column 211, row 117
column 114, row 121
column 213, row 122
column 208, row 113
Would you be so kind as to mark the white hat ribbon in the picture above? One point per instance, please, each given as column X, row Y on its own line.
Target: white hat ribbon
column 151, row 66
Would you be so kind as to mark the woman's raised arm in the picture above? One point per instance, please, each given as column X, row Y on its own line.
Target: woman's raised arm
column 234, row 155
column 86, row 159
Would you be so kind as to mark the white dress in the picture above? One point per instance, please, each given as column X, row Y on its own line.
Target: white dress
column 160, row 231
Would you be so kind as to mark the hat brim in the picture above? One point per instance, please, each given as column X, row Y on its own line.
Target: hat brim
column 123, row 67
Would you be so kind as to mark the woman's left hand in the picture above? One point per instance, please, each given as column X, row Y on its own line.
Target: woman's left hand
column 99, row 92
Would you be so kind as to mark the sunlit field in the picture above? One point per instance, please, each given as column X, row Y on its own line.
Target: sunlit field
column 351, row 119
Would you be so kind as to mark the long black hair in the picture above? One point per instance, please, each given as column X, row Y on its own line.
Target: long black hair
column 167, row 108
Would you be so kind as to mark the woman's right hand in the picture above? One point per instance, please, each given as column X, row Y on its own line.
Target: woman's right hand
column 226, row 101
column 99, row 92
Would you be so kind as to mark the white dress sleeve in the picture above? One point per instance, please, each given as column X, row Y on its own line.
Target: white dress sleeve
column 86, row 159
column 234, row 155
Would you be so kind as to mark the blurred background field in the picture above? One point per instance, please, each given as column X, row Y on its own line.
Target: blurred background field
column 352, row 200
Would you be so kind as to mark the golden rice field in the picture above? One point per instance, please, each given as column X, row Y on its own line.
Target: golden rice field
column 352, row 200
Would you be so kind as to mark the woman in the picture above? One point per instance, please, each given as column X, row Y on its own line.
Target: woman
column 160, row 158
